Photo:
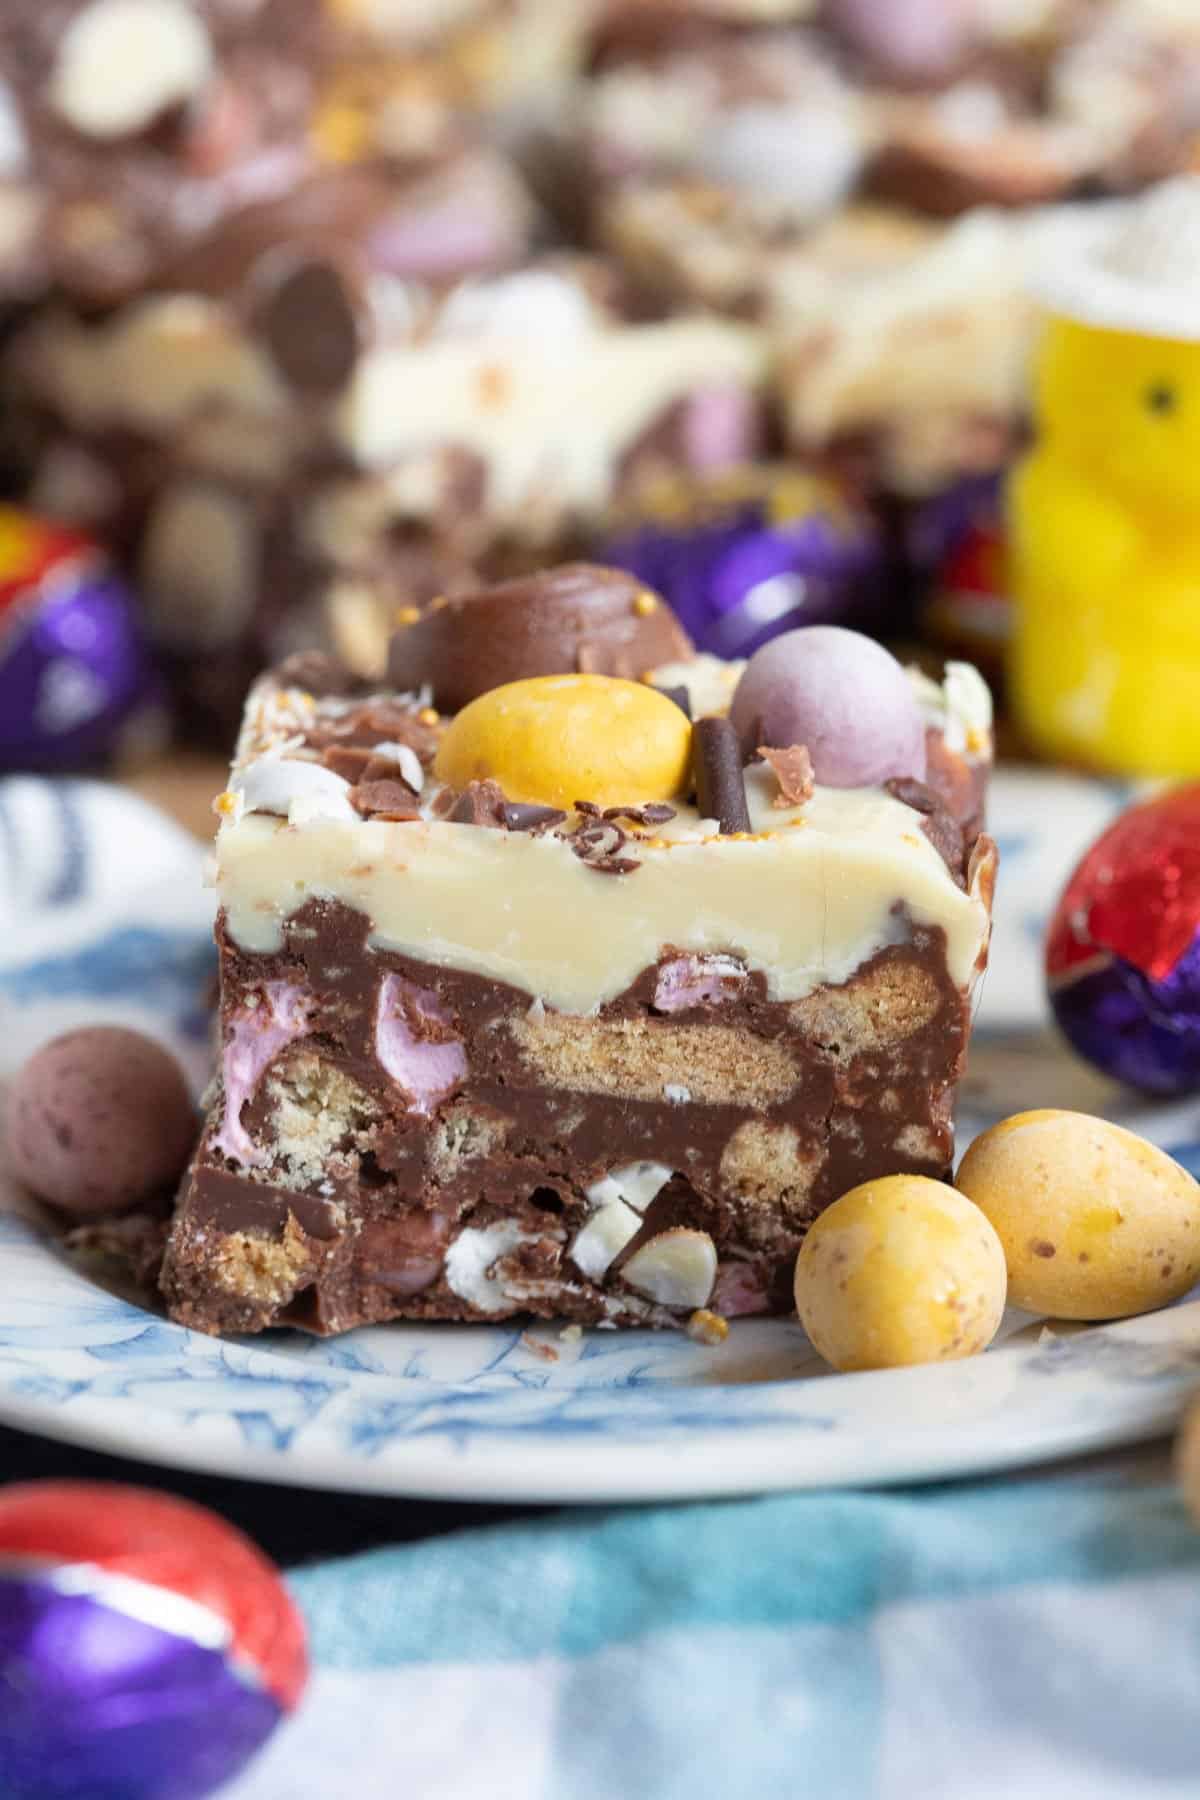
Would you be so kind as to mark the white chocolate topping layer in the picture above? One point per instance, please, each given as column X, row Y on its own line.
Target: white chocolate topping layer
column 807, row 900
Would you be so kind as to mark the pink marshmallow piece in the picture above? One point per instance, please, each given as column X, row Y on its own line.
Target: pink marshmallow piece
column 722, row 428
column 697, row 981
column 254, row 1038
column 738, row 1291
column 425, row 1068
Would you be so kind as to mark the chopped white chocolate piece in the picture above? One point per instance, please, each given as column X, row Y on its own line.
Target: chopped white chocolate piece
column 603, row 1238
column 301, row 792
column 676, row 1269
column 636, row 1184
column 471, row 1260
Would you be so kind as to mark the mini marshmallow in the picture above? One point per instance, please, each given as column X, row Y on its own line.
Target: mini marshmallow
column 470, row 1263
column 677, row 1268
column 635, row 1183
column 122, row 64
column 603, row 1238
column 406, row 760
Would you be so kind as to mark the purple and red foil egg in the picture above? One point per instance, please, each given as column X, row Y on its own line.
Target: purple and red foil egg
column 745, row 555
column 147, row 1649
column 76, row 683
column 1123, row 950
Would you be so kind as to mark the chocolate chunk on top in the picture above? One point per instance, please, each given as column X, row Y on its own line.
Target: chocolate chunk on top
column 937, row 822
column 681, row 696
column 480, row 803
column 793, row 771
column 385, row 798
column 521, row 815
column 578, row 618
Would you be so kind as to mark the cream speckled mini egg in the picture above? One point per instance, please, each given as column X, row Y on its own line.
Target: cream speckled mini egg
column 900, row 1270
column 1096, row 1223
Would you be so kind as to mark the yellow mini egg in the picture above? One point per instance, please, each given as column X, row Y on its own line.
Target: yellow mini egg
column 900, row 1270
column 555, row 739
column 1095, row 1222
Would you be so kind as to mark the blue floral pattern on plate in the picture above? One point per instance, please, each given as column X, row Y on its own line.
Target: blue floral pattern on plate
column 476, row 1411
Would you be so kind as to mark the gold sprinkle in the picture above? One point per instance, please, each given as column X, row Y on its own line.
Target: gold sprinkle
column 428, row 715
column 437, row 603
column 706, row 1327
column 645, row 603
column 492, row 386
column 406, row 615
column 341, row 132
column 227, row 804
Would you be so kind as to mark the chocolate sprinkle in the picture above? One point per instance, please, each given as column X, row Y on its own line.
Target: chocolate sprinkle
column 598, row 843
column 681, row 696
column 656, row 813
column 522, row 815
column 720, row 784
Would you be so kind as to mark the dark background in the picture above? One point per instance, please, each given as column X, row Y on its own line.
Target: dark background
column 293, row 1525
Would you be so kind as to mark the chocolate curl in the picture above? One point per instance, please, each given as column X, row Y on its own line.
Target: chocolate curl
column 521, row 815
column 720, row 784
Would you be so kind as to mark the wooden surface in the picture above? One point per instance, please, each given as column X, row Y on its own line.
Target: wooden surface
column 183, row 783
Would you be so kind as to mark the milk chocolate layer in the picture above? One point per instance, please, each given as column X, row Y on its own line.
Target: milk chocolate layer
column 759, row 1112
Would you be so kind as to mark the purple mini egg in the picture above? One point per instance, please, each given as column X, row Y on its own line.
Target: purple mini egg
column 839, row 694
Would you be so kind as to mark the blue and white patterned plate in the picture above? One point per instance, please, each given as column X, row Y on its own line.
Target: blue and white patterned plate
column 103, row 916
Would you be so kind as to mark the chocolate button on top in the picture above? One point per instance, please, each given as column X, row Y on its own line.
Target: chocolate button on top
column 577, row 619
